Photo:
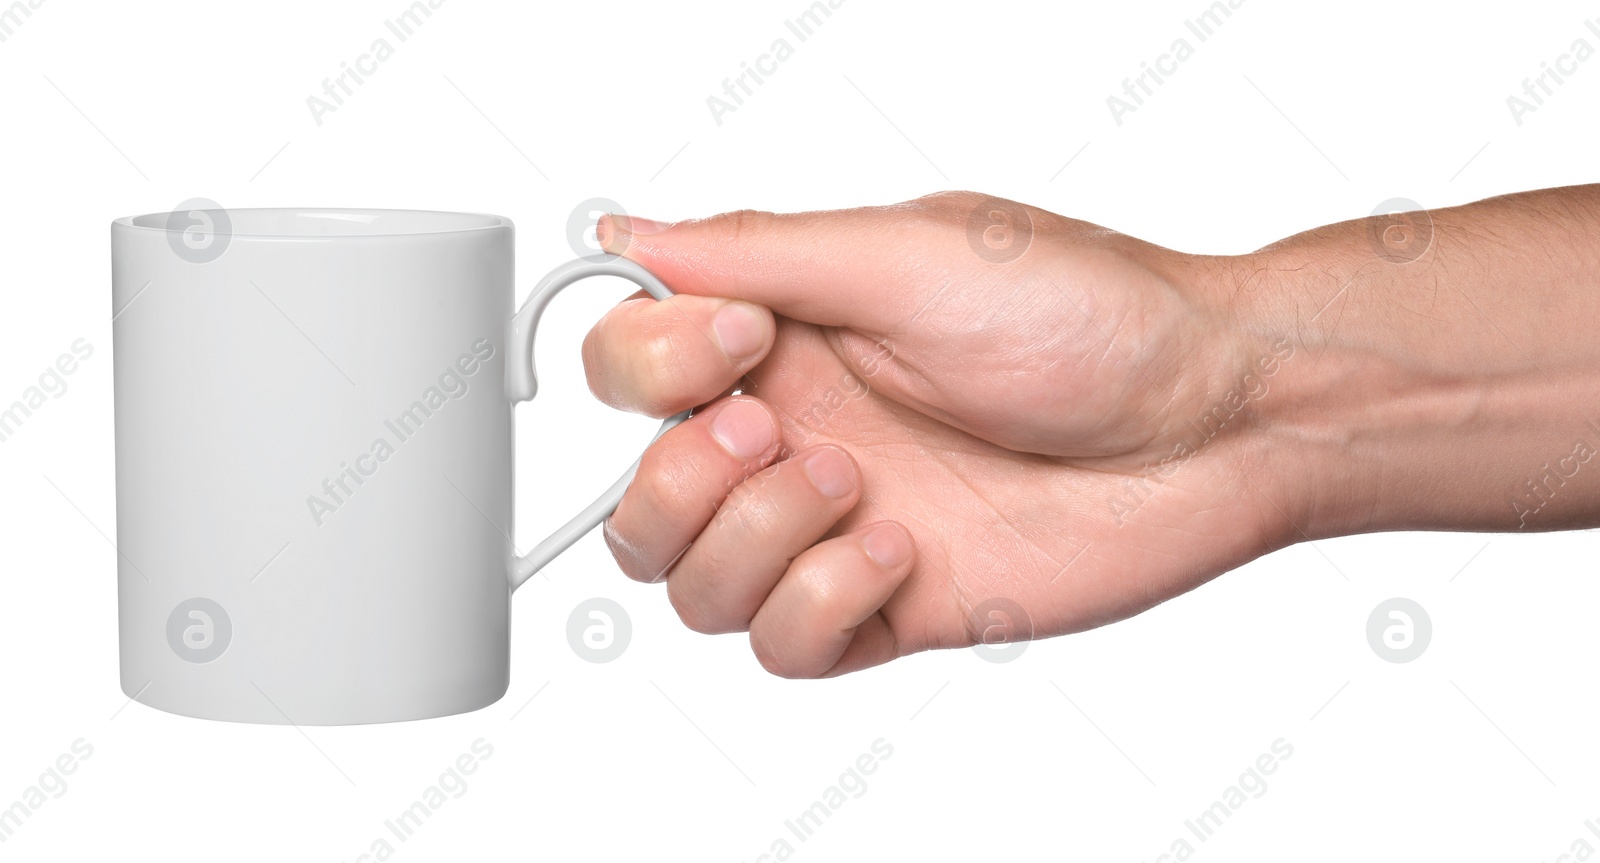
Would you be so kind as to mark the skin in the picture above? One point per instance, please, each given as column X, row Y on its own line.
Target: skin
column 961, row 419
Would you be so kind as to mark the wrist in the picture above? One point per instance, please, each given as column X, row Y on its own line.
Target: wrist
column 1236, row 385
column 1423, row 392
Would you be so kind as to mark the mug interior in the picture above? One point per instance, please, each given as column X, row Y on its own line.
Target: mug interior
column 287, row 223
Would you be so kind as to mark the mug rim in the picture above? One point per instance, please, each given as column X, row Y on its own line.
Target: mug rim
column 352, row 223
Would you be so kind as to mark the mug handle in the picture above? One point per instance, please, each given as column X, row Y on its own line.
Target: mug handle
column 522, row 384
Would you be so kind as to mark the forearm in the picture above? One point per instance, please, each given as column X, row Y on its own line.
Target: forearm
column 1443, row 383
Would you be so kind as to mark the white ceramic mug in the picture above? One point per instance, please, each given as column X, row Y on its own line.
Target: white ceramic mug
column 314, row 459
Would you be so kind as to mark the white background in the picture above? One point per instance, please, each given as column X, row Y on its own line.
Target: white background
column 1096, row 746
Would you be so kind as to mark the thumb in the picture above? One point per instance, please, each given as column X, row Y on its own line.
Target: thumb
column 869, row 268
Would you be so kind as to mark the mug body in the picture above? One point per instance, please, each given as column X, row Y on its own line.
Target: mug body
column 314, row 463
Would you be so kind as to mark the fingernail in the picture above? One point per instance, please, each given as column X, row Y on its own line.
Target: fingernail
column 743, row 428
column 741, row 330
column 830, row 471
column 888, row 546
column 615, row 230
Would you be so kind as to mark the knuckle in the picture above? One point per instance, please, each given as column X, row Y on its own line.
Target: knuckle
column 824, row 599
column 743, row 225
column 601, row 360
column 629, row 557
column 663, row 378
column 749, row 510
column 664, row 367
column 697, row 616
column 778, row 660
column 671, row 485
column 825, row 605
column 949, row 206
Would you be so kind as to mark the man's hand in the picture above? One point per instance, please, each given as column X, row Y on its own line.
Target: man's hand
column 914, row 412
column 929, row 417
